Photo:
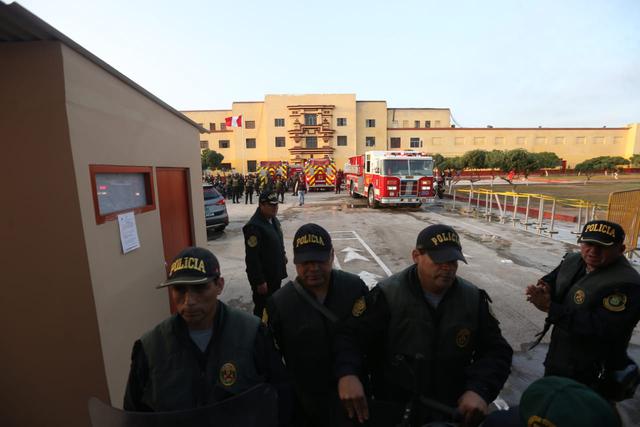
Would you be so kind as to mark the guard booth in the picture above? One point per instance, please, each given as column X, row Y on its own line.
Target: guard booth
column 100, row 187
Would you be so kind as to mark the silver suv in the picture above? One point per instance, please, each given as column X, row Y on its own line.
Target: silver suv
column 215, row 209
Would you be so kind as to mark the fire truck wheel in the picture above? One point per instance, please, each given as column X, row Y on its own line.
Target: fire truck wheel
column 351, row 192
column 371, row 201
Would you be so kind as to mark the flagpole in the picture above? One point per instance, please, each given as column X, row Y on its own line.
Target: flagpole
column 244, row 163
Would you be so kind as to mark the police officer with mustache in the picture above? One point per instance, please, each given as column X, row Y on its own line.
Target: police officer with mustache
column 425, row 332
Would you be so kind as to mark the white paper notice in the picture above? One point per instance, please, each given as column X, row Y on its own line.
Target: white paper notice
column 128, row 232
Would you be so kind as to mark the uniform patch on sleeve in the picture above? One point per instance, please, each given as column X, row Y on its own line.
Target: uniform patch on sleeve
column 265, row 316
column 615, row 302
column 252, row 241
column 359, row 307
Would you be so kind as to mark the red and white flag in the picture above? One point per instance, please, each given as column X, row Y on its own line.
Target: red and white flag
column 233, row 121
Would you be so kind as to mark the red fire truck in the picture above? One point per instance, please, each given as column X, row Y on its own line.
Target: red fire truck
column 320, row 174
column 390, row 177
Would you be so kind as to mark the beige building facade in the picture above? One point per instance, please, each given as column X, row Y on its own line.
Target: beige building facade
column 294, row 128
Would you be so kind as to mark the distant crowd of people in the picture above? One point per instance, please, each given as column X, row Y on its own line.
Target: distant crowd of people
column 236, row 186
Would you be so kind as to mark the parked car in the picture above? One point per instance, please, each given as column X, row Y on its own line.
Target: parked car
column 215, row 208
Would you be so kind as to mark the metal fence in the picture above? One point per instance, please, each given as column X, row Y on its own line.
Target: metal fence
column 624, row 208
column 538, row 211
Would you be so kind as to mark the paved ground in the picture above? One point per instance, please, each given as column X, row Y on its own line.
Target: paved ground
column 503, row 260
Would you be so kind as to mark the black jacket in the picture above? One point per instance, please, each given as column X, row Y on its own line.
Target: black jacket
column 368, row 335
column 199, row 380
column 264, row 250
column 305, row 337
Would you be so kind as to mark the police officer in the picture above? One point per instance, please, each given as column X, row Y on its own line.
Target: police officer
column 593, row 303
column 206, row 352
column 279, row 187
column 229, row 187
column 425, row 331
column 304, row 315
column 248, row 195
column 265, row 256
column 235, row 188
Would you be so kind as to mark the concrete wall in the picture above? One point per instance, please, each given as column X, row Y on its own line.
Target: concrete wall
column 51, row 350
column 112, row 124
column 376, row 110
column 406, row 117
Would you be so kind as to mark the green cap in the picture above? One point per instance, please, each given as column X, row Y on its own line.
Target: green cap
column 563, row 402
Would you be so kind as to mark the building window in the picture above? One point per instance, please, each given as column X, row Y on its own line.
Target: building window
column 251, row 143
column 598, row 140
column 405, row 123
column 342, row 121
column 394, row 143
column 310, row 120
column 250, row 124
column 521, row 140
column 225, row 166
column 251, row 165
column 478, row 140
column 118, row 189
column 311, row 141
column 370, row 141
column 499, row 140
column 581, row 140
column 223, row 126
column 427, row 123
column 394, row 124
column 437, row 123
column 559, row 139
column 212, row 126
column 342, row 140
column 280, row 141
column 540, row 140
column 223, row 143
column 414, row 143
column 204, row 145
column 416, row 124
column 279, row 123
column 370, row 123
column 459, row 140
column 436, row 140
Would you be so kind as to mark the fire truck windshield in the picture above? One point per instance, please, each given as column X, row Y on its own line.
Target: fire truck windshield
column 402, row 167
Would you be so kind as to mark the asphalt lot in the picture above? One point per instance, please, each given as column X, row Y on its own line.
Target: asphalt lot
column 503, row 260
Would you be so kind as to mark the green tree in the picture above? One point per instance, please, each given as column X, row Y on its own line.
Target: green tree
column 203, row 159
column 520, row 161
column 635, row 160
column 474, row 159
column 547, row 159
column 214, row 159
column 437, row 161
column 587, row 168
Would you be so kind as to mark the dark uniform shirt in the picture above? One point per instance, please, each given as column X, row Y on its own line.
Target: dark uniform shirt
column 305, row 336
column 264, row 250
column 604, row 323
column 368, row 335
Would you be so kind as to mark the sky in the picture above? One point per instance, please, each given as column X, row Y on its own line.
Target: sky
column 511, row 63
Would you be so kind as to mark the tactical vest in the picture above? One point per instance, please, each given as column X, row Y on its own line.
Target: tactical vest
column 175, row 378
column 447, row 345
column 307, row 335
column 581, row 357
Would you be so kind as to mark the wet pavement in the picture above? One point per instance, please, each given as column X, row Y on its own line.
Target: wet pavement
column 374, row 243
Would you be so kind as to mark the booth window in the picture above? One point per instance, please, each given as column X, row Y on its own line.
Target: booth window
column 118, row 189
